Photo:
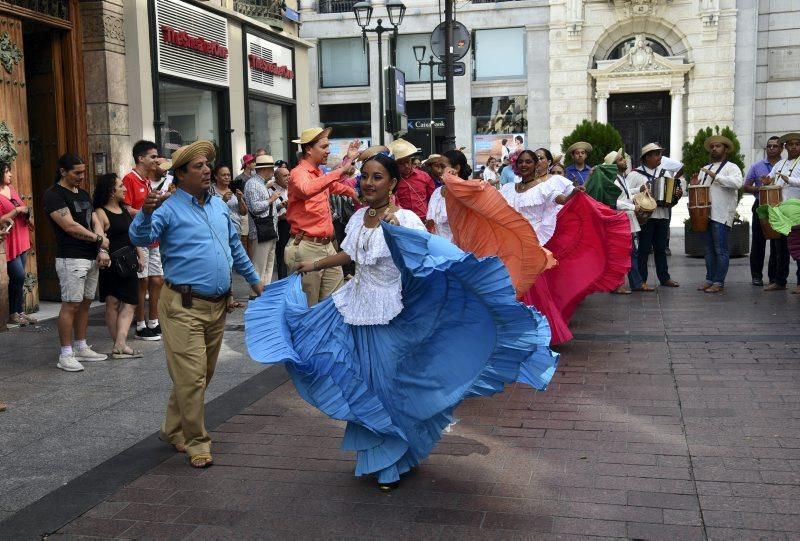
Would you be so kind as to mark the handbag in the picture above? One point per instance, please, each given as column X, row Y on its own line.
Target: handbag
column 265, row 226
column 125, row 261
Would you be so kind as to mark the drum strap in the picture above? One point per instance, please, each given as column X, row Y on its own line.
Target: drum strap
column 794, row 164
column 710, row 166
column 652, row 177
column 624, row 185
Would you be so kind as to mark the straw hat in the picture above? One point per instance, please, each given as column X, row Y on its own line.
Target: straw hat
column 793, row 136
column 402, row 149
column 650, row 147
column 717, row 139
column 164, row 165
column 187, row 153
column 434, row 158
column 613, row 156
column 369, row 152
column 265, row 160
column 312, row 134
column 579, row 145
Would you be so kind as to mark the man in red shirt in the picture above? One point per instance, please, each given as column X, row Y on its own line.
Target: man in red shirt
column 309, row 212
column 415, row 187
column 137, row 184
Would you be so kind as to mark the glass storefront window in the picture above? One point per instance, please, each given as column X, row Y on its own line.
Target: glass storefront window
column 499, row 53
column 269, row 129
column 343, row 62
column 407, row 62
column 189, row 114
column 351, row 121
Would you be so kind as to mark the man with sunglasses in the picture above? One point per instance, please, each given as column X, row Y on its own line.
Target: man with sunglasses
column 758, row 245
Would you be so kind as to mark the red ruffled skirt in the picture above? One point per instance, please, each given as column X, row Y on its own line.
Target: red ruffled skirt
column 592, row 244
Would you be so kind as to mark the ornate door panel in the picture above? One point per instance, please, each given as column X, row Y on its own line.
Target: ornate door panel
column 641, row 119
column 14, row 141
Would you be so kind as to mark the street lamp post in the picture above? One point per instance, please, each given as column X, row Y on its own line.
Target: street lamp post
column 419, row 54
column 450, row 107
column 363, row 13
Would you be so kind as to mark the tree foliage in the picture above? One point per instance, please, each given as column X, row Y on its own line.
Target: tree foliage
column 603, row 138
column 695, row 156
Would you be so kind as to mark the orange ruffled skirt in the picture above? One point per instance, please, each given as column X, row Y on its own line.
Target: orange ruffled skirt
column 591, row 245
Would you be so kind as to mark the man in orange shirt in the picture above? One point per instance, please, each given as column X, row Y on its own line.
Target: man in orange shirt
column 137, row 184
column 309, row 212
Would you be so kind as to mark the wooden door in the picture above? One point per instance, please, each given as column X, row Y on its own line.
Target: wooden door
column 641, row 119
column 14, row 130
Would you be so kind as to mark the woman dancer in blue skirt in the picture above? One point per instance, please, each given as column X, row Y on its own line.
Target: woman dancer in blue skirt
column 421, row 326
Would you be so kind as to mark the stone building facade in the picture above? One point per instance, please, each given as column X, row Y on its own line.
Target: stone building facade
column 656, row 69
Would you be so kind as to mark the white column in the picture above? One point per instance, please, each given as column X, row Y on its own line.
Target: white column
column 602, row 106
column 676, row 124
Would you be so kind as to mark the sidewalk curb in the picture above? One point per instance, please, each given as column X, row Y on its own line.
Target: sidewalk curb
column 70, row 501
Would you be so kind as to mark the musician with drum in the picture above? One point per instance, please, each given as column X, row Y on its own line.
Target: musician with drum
column 758, row 243
column 786, row 174
column 661, row 179
column 724, row 179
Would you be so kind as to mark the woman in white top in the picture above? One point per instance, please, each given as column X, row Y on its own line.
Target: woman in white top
column 490, row 172
column 391, row 352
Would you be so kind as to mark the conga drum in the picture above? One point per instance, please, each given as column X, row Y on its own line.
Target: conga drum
column 770, row 196
column 699, row 207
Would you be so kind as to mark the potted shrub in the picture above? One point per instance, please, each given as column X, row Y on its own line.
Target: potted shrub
column 604, row 138
column 695, row 157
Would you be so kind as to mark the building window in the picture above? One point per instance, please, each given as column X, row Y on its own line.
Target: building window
column 499, row 53
column 625, row 47
column 189, row 114
column 498, row 126
column 350, row 121
column 269, row 128
column 408, row 64
column 343, row 63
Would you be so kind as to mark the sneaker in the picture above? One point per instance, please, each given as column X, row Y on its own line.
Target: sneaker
column 156, row 329
column 758, row 282
column 16, row 319
column 87, row 354
column 69, row 363
column 146, row 334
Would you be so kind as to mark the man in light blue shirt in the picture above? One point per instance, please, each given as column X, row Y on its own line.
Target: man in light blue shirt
column 199, row 246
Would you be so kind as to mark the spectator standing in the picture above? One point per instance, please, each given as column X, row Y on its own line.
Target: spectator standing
column 151, row 277
column 262, row 202
column 221, row 187
column 415, row 187
column 81, row 248
column 281, row 186
column 309, row 212
column 758, row 244
column 18, row 243
column 200, row 246
column 119, row 285
column 247, row 172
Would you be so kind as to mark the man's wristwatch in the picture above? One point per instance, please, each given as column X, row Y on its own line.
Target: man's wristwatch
column 99, row 240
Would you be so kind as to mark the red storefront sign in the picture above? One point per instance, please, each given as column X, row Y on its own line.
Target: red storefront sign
column 259, row 64
column 187, row 41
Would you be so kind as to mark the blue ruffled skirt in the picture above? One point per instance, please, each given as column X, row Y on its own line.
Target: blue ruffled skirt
column 461, row 333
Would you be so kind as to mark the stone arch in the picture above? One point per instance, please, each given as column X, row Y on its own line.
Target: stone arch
column 663, row 31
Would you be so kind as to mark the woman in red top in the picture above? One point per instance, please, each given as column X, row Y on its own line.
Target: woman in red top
column 18, row 243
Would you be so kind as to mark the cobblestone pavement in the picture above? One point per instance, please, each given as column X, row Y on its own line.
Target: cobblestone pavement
column 673, row 415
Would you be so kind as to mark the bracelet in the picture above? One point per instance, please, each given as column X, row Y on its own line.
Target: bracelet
column 102, row 251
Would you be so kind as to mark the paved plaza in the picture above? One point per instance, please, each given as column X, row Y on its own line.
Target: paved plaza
column 673, row 415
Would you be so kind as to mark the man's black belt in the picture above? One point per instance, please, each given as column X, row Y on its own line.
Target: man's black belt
column 185, row 289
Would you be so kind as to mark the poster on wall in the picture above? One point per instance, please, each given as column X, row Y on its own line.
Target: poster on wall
column 338, row 150
column 498, row 145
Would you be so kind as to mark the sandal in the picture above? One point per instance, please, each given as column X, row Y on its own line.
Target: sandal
column 124, row 353
column 621, row 290
column 236, row 304
column 644, row 287
column 713, row 289
column 388, row 487
column 201, row 460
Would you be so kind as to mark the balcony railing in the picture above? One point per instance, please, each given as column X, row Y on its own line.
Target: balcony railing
column 268, row 11
column 492, row 1
column 335, row 6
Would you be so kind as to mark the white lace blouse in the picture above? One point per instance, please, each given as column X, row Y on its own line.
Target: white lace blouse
column 538, row 204
column 374, row 295
column 437, row 211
